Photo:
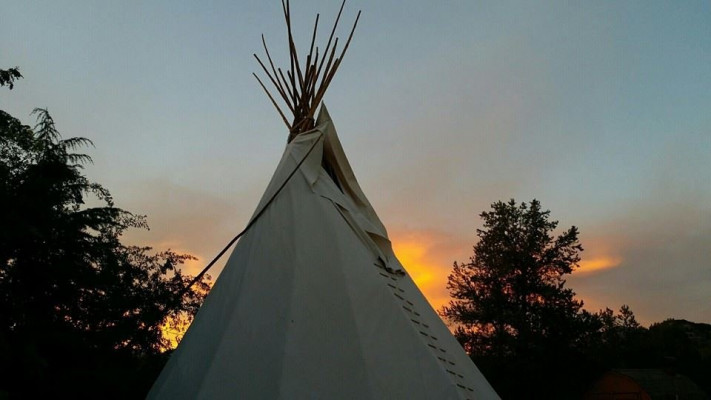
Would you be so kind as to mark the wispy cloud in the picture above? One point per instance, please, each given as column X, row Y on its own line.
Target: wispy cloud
column 593, row 265
column 184, row 220
column 662, row 258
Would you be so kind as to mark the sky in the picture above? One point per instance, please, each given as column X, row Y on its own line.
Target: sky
column 601, row 110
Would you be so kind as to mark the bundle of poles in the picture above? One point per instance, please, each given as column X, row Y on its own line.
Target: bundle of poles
column 302, row 89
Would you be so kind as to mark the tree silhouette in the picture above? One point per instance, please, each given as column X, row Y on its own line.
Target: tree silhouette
column 512, row 309
column 9, row 76
column 512, row 291
column 69, row 289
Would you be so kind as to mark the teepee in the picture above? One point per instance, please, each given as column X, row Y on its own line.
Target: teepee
column 313, row 303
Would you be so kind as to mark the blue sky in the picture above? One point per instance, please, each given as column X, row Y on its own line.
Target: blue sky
column 598, row 109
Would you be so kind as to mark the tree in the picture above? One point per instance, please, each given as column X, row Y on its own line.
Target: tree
column 616, row 338
column 8, row 77
column 70, row 291
column 512, row 291
column 510, row 302
column 680, row 346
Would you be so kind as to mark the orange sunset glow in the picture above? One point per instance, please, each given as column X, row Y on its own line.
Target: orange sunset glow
column 172, row 334
column 428, row 258
column 597, row 264
column 173, row 330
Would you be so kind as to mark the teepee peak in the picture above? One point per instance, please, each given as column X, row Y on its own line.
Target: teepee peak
column 303, row 89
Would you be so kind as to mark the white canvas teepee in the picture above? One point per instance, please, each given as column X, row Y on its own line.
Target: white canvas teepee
column 313, row 304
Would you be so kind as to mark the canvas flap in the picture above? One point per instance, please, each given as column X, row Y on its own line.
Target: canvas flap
column 353, row 204
column 336, row 157
column 309, row 149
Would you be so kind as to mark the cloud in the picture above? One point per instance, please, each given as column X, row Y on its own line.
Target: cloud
column 593, row 265
column 184, row 220
column 663, row 263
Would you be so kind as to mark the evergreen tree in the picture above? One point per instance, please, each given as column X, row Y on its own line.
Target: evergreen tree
column 512, row 295
column 513, row 313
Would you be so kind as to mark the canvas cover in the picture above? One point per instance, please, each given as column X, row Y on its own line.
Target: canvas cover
column 313, row 303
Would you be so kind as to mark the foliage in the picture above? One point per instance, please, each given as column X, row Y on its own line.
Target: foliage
column 68, row 286
column 8, row 77
column 614, row 340
column 677, row 345
column 514, row 314
column 527, row 332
